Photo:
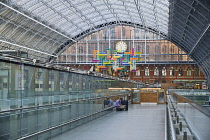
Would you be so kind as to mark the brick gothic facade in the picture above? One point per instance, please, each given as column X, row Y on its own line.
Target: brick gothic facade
column 156, row 74
column 173, row 72
column 153, row 47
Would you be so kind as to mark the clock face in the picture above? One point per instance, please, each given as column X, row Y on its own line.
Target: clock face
column 121, row 46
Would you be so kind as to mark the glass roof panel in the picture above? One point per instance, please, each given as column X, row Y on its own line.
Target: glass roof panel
column 78, row 2
column 88, row 10
column 32, row 7
column 104, row 12
column 130, row 3
column 121, row 11
column 84, row 13
column 68, row 18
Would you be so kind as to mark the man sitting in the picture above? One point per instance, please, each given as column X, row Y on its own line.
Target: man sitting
column 111, row 103
column 119, row 106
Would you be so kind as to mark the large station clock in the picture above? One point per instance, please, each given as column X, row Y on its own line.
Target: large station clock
column 121, row 46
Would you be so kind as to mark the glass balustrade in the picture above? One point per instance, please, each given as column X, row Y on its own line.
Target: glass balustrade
column 39, row 103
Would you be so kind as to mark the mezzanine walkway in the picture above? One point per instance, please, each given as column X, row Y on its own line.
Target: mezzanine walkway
column 140, row 122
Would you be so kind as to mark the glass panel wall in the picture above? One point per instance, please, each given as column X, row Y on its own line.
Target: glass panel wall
column 193, row 105
column 33, row 99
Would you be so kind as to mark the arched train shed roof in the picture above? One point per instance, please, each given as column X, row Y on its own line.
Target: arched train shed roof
column 43, row 28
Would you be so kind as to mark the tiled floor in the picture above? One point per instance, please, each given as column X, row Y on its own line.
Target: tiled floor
column 199, row 122
column 140, row 122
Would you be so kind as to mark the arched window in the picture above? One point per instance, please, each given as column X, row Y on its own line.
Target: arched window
column 156, row 72
column 156, row 49
column 147, row 52
column 138, row 72
column 139, row 48
column 189, row 72
column 180, row 71
column 164, row 71
column 172, row 49
column 136, row 33
column 105, row 34
column 164, row 49
column 171, row 71
column 123, row 32
column 147, row 71
column 164, row 52
column 72, row 58
column 156, row 52
column 113, row 33
column 197, row 71
column 93, row 36
column 80, row 50
column 147, row 49
column 172, row 52
column 73, row 49
column 180, row 55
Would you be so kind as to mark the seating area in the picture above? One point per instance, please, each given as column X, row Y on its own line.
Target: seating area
column 124, row 102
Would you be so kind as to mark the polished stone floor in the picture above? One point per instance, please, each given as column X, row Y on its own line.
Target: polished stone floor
column 140, row 122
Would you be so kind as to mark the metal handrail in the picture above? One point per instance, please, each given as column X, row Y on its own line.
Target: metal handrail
column 63, row 124
column 74, row 101
column 195, row 105
column 166, row 122
column 185, row 118
column 173, row 135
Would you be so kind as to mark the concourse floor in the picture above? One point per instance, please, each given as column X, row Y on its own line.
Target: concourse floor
column 140, row 122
